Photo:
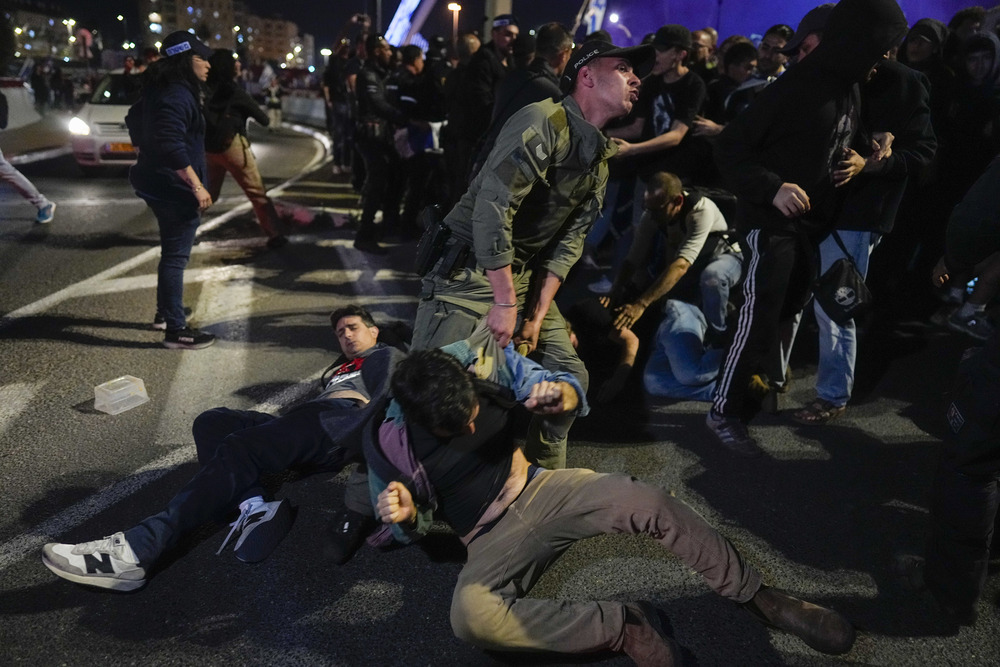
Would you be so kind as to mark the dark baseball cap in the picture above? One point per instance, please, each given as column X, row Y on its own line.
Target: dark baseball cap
column 813, row 21
column 640, row 57
column 672, row 35
column 932, row 30
column 180, row 41
column 504, row 20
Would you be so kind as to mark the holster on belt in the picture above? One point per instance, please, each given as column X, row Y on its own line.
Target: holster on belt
column 455, row 257
column 438, row 250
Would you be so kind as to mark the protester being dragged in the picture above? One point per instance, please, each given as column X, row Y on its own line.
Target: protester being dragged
column 227, row 147
column 168, row 128
column 446, row 451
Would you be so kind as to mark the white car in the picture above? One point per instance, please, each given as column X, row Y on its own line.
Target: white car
column 99, row 135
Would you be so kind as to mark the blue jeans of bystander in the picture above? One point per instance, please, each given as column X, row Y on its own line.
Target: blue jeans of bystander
column 178, row 225
column 838, row 343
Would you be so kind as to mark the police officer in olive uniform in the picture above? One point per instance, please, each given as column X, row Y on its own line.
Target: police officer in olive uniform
column 519, row 229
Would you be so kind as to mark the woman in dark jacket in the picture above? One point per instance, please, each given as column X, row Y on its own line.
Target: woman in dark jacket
column 167, row 126
column 227, row 147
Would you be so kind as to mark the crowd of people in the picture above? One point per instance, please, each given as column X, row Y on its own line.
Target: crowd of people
column 714, row 182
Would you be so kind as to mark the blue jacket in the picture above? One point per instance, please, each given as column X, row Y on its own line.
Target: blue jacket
column 167, row 126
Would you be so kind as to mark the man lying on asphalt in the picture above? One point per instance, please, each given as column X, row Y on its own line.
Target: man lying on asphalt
column 234, row 448
column 446, row 445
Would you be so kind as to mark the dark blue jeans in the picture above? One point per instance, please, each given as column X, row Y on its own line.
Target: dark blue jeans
column 178, row 225
column 235, row 447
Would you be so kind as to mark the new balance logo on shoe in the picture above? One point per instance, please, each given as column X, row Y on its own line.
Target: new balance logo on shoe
column 102, row 564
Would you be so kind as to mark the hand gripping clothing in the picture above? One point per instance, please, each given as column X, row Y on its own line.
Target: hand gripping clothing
column 530, row 207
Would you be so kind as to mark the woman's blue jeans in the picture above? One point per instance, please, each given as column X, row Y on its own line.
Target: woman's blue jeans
column 178, row 225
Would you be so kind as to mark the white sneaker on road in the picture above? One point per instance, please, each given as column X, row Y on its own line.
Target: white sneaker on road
column 108, row 563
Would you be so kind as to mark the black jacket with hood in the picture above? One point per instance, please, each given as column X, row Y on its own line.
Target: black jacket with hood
column 896, row 99
column 787, row 134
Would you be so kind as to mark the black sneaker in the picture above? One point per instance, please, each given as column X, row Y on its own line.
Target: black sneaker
column 187, row 339
column 344, row 535
column 160, row 324
column 733, row 435
column 261, row 527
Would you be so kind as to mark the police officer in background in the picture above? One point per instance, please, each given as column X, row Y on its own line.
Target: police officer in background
column 376, row 124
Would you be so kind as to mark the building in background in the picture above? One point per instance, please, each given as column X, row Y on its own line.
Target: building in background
column 229, row 24
column 40, row 34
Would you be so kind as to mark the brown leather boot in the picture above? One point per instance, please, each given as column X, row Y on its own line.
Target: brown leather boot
column 822, row 629
column 646, row 641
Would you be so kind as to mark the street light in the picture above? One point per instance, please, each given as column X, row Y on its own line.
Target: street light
column 614, row 19
column 124, row 23
column 455, row 9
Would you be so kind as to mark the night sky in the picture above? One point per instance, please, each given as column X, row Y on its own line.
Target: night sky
column 325, row 18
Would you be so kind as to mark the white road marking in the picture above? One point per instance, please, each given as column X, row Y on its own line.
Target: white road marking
column 15, row 398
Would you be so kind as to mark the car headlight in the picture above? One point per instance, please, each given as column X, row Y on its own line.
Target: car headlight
column 77, row 126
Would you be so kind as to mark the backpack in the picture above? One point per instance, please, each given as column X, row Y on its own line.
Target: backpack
column 221, row 125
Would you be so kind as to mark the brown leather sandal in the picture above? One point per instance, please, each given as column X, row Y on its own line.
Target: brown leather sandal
column 818, row 412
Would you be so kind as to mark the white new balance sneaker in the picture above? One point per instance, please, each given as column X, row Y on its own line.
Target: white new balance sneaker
column 108, row 563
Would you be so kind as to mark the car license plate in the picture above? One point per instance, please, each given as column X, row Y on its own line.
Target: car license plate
column 120, row 148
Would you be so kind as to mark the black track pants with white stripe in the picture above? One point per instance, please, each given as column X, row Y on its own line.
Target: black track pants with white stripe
column 777, row 282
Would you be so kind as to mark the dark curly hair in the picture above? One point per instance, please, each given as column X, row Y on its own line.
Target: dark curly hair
column 435, row 391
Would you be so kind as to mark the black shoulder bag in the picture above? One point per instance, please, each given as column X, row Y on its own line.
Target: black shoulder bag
column 841, row 290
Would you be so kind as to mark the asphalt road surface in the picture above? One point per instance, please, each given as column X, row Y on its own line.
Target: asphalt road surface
column 822, row 514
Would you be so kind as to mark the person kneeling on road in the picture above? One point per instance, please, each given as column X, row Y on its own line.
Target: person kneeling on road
column 699, row 256
column 514, row 518
column 235, row 447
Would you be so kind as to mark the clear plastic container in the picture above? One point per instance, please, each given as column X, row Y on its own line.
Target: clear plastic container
column 121, row 394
